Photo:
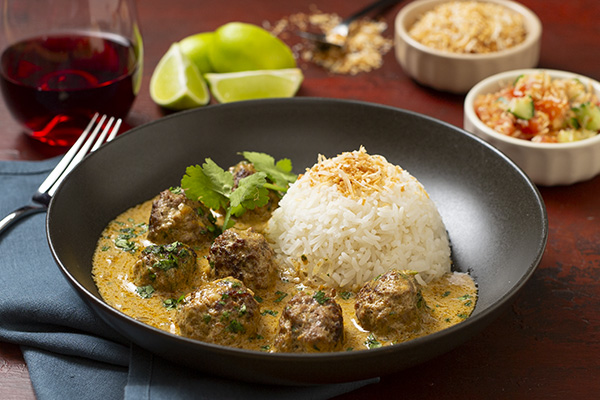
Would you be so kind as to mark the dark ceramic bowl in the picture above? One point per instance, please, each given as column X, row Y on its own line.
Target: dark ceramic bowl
column 495, row 216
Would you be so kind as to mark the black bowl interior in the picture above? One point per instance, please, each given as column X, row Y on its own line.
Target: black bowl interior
column 494, row 215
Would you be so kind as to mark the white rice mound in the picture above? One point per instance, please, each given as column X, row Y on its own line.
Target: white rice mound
column 353, row 217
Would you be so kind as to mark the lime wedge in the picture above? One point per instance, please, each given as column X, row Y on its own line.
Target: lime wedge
column 176, row 83
column 261, row 84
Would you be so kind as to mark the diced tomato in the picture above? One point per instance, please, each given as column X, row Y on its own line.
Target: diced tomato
column 529, row 128
column 551, row 107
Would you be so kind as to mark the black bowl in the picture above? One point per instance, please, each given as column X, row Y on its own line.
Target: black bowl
column 494, row 215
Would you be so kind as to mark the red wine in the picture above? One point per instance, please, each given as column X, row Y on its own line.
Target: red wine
column 54, row 84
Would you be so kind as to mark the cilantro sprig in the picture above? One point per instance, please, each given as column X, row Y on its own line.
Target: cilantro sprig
column 214, row 187
column 279, row 173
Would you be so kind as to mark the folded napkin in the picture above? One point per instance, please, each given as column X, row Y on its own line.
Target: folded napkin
column 72, row 354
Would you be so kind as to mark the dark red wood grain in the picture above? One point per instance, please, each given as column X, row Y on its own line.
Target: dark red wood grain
column 547, row 344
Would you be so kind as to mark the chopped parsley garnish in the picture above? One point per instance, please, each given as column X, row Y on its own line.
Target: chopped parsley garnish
column 124, row 244
column 465, row 297
column 235, row 327
column 171, row 304
column 320, row 297
column 125, row 234
column 372, row 342
column 214, row 187
column 168, row 255
column 258, row 298
column 243, row 309
column 282, row 295
column 145, row 291
column 225, row 316
column 165, row 264
column 446, row 294
column 269, row 312
column 176, row 190
column 346, row 295
column 420, row 300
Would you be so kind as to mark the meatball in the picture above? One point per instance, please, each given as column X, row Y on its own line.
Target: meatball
column 169, row 267
column 245, row 255
column 240, row 171
column 310, row 323
column 259, row 214
column 174, row 217
column 390, row 304
column 221, row 312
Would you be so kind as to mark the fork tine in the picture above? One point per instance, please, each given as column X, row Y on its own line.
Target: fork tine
column 85, row 149
column 64, row 162
column 115, row 130
column 103, row 134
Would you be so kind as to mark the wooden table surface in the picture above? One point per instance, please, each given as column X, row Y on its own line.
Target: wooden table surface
column 547, row 344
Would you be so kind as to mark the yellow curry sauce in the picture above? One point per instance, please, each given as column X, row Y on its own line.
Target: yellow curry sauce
column 450, row 299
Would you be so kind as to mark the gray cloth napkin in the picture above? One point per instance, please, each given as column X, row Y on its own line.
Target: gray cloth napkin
column 72, row 354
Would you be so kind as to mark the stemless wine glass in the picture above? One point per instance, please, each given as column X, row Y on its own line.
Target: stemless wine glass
column 64, row 60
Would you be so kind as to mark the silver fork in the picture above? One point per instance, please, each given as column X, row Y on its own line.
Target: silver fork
column 87, row 143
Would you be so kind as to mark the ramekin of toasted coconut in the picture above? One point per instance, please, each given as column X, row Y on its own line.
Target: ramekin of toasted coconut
column 450, row 45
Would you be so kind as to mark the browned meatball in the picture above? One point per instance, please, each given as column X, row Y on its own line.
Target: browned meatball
column 259, row 214
column 240, row 171
column 245, row 255
column 175, row 218
column 222, row 312
column 169, row 267
column 390, row 304
column 310, row 323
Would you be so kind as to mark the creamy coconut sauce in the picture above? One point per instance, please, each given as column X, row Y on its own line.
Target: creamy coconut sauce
column 450, row 299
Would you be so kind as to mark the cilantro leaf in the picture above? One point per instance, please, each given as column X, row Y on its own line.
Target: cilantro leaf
column 250, row 192
column 279, row 173
column 207, row 185
column 222, row 181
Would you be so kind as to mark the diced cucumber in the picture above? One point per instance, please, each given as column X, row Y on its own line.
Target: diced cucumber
column 588, row 115
column 521, row 107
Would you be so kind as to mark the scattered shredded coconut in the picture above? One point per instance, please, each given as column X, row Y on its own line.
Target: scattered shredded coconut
column 469, row 27
column 363, row 51
column 354, row 173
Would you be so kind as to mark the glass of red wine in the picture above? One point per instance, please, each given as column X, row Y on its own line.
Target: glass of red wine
column 64, row 60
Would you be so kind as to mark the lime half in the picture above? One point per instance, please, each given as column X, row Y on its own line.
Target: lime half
column 248, row 85
column 176, row 83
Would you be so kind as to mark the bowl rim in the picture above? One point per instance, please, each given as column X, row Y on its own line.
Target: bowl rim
column 482, row 88
column 532, row 24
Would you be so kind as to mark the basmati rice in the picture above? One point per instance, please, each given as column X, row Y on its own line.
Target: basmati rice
column 353, row 217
